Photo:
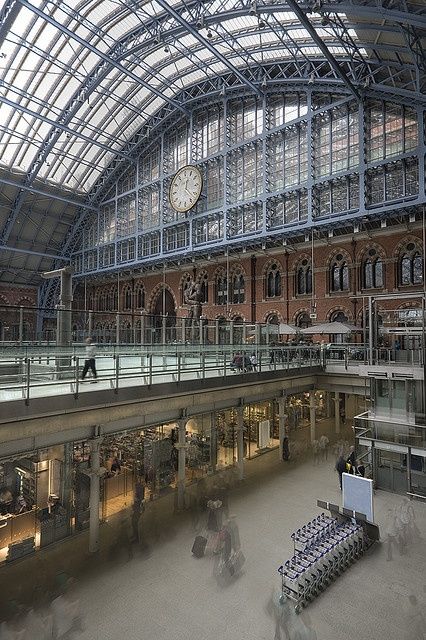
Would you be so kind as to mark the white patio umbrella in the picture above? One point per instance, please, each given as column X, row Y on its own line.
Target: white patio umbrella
column 338, row 328
column 287, row 329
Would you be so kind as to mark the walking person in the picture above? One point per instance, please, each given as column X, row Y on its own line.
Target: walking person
column 323, row 445
column 286, row 449
column 89, row 362
column 340, row 468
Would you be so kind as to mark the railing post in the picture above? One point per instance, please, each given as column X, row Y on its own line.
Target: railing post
column 179, row 364
column 150, row 369
column 346, row 354
column 28, row 372
column 77, row 380
column 117, row 372
column 224, row 364
column 203, row 365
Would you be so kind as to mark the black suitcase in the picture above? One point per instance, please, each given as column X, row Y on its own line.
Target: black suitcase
column 199, row 546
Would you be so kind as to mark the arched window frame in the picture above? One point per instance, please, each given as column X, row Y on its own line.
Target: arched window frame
column 372, row 273
column 410, row 266
column 339, row 274
column 238, row 287
column 140, row 297
column 127, row 298
column 304, row 278
column 221, row 289
column 273, row 281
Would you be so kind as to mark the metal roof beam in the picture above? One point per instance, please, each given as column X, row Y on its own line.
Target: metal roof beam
column 8, row 15
column 319, row 42
column 164, row 4
column 103, row 56
column 34, row 253
column 47, row 194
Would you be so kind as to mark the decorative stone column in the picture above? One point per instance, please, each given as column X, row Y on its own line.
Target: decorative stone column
column 336, row 412
column 282, row 422
column 94, row 498
column 240, row 442
column 312, row 414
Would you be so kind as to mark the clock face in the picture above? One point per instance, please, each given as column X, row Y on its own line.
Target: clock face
column 185, row 188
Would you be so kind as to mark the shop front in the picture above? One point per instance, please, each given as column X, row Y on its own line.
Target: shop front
column 35, row 501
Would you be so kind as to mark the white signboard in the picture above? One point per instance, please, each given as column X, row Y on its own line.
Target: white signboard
column 358, row 495
column 264, row 431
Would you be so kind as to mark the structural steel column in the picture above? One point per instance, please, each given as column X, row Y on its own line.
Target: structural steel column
column 240, row 442
column 336, row 412
column 117, row 328
column 94, row 499
column 90, row 330
column 142, row 327
column 213, row 440
column 21, row 324
column 181, row 447
column 282, row 422
column 312, row 414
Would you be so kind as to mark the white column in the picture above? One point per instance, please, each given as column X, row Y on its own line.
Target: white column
column 240, row 443
column 282, row 423
column 181, row 447
column 336, row 412
column 312, row 414
column 95, row 444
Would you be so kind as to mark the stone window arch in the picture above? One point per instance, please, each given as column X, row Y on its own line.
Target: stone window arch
column 304, row 277
column 273, row 281
column 339, row 273
column 302, row 320
column 238, row 287
column 140, row 296
column 372, row 270
column 410, row 265
column 221, row 288
column 127, row 298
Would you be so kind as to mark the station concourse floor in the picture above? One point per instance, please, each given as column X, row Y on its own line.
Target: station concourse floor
column 167, row 594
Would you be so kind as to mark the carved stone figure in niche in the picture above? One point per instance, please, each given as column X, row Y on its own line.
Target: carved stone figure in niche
column 193, row 297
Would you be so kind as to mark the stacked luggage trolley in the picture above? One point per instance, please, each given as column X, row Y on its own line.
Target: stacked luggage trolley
column 323, row 549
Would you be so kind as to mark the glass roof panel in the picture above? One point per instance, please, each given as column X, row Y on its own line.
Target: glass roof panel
column 69, row 62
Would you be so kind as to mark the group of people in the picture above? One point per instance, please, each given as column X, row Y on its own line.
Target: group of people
column 349, row 465
column 400, row 528
column 242, row 362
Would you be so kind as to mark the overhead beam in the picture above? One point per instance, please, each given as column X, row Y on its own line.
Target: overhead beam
column 103, row 56
column 8, row 15
column 51, row 256
column 47, row 194
column 204, row 41
column 294, row 6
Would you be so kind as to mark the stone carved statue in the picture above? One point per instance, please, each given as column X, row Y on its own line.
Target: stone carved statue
column 193, row 296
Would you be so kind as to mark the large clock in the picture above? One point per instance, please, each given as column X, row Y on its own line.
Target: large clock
column 185, row 188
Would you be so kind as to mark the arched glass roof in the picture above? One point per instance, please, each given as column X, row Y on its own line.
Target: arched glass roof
column 78, row 81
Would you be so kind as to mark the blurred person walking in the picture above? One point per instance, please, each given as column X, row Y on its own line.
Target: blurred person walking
column 340, row 468
column 90, row 362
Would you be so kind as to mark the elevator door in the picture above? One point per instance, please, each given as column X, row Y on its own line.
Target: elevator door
column 391, row 471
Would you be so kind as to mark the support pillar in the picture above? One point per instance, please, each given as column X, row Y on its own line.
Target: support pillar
column 217, row 332
column 312, row 414
column 21, row 325
column 90, row 325
column 181, row 447
column 163, row 329
column 94, row 499
column 240, row 443
column 336, row 412
column 213, row 441
column 117, row 329
column 231, row 332
column 142, row 328
column 282, row 422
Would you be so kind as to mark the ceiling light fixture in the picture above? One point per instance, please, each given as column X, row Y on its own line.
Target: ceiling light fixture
column 209, row 34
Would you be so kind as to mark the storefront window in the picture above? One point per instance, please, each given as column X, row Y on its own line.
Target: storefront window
column 201, row 454
column 35, row 501
column 226, row 425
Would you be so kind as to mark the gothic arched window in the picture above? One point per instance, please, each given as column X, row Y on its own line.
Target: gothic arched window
column 304, row 278
column 339, row 274
column 372, row 271
column 127, row 298
column 205, row 288
column 411, row 265
column 140, row 297
column 221, row 289
column 303, row 320
column 238, row 288
column 273, row 282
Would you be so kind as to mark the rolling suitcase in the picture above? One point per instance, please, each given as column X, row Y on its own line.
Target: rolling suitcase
column 199, row 546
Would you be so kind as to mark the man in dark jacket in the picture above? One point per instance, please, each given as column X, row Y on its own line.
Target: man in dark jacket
column 340, row 468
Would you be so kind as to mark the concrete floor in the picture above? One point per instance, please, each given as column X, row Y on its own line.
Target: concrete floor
column 168, row 594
